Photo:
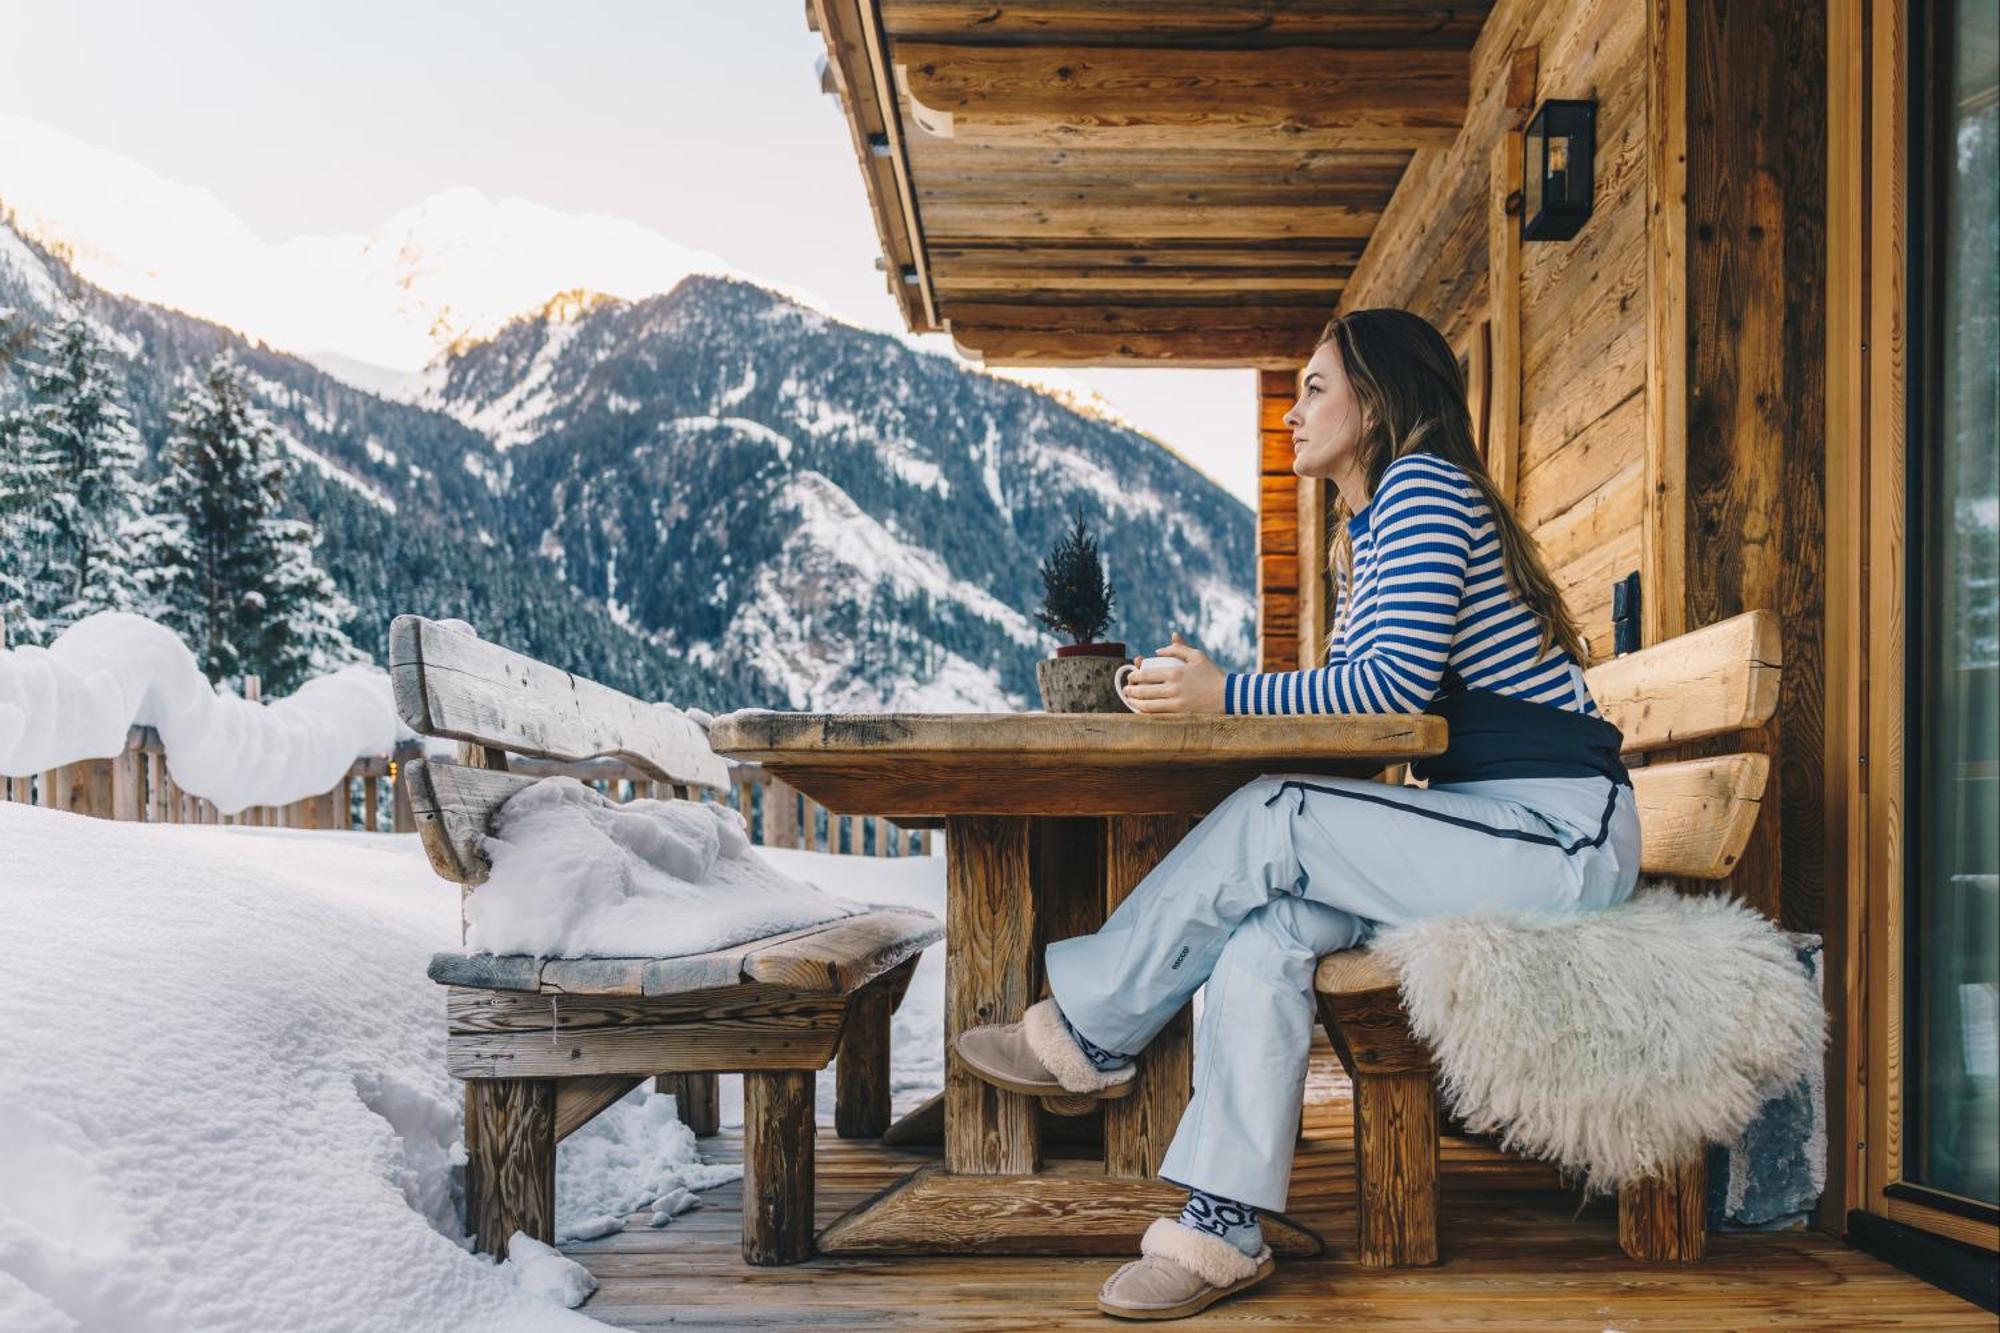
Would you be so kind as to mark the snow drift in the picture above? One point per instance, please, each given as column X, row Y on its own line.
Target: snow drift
column 110, row 672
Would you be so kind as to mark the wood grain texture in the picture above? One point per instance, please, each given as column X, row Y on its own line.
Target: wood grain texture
column 861, row 1072
column 1719, row 679
column 1396, row 1169
column 1278, row 573
column 510, row 1139
column 454, row 685
column 989, row 978
column 506, row 1035
column 1696, row 816
column 1503, row 306
column 697, row 1100
column 1218, row 26
column 1177, row 97
column 1523, row 1256
column 578, row 1100
column 1068, row 1209
column 1664, row 1220
column 778, row 1143
column 1138, row 1128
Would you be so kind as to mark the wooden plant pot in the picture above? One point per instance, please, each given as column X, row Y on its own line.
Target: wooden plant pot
column 1080, row 678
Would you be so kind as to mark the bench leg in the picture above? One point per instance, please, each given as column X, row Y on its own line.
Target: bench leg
column 861, row 1070
column 697, row 1100
column 510, row 1170
column 1396, row 1169
column 1665, row 1220
column 778, row 1167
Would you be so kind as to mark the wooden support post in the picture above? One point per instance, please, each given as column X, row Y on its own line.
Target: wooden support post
column 697, row 1101
column 510, row 1173
column 1395, row 1169
column 1503, row 240
column 127, row 781
column 781, row 815
column 1665, row 1220
column 1138, row 1128
column 371, row 800
column 990, row 965
column 777, row 1167
column 861, row 1071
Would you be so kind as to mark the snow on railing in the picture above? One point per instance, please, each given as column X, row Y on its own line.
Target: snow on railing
column 79, row 699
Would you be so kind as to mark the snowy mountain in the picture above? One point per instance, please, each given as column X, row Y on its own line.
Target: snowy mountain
column 455, row 267
column 713, row 493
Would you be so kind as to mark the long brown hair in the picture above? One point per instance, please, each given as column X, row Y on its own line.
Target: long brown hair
column 1412, row 399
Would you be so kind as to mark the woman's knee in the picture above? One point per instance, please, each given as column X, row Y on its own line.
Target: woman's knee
column 1286, row 937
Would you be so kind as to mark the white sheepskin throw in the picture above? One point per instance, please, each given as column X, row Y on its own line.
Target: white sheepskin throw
column 1616, row 1044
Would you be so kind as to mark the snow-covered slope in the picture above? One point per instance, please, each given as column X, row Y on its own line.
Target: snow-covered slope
column 456, row 266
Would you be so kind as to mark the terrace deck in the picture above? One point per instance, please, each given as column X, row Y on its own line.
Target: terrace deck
column 1517, row 1256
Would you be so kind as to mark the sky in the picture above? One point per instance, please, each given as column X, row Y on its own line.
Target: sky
column 701, row 120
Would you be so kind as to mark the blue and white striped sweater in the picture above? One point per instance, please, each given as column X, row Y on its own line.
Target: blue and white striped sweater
column 1428, row 590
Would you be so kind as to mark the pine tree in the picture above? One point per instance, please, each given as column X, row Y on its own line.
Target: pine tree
column 1077, row 600
column 70, row 496
column 234, row 576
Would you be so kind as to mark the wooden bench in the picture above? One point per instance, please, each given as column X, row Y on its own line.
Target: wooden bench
column 545, row 1044
column 1696, row 818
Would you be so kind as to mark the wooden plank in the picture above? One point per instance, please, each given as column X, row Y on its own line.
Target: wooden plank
column 777, row 1167
column 1340, row 23
column 1168, row 97
column 1254, row 349
column 1138, row 1128
column 454, row 685
column 1503, row 251
column 503, row 1035
column 1067, row 1209
column 578, row 1100
column 967, row 215
column 1709, row 682
column 1695, row 817
column 1664, row 568
column 844, row 955
column 989, row 974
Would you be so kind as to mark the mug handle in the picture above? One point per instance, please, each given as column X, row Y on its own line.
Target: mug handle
column 1118, row 684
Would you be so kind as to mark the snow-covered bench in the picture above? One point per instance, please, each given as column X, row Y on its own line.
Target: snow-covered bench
column 544, row 1044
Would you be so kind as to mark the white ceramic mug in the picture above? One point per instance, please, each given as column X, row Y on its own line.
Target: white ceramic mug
column 1171, row 664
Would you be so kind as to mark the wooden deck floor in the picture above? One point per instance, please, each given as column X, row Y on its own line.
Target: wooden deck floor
column 1517, row 1256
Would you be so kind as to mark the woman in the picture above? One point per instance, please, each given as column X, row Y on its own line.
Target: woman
column 1443, row 607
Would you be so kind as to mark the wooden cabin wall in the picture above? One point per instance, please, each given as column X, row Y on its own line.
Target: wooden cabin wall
column 1277, row 525
column 1576, row 351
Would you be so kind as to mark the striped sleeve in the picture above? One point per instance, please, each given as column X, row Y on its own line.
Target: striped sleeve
column 1422, row 524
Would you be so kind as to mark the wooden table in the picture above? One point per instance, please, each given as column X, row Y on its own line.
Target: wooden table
column 1050, row 820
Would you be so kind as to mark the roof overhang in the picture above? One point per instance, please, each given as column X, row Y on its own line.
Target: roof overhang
column 1103, row 182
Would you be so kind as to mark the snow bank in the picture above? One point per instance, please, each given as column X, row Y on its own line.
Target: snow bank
column 577, row 876
column 223, row 1103
column 77, row 698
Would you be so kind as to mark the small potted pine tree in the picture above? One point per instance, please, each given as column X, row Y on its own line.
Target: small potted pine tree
column 1077, row 603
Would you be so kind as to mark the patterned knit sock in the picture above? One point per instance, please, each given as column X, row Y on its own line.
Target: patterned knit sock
column 1232, row 1221
column 1100, row 1057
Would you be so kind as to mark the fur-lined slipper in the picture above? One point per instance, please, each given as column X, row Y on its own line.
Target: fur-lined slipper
column 1038, row 1058
column 1184, row 1271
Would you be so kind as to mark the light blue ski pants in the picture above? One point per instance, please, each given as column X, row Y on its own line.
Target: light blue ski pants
column 1289, row 868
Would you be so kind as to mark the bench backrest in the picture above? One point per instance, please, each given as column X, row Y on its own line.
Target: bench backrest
column 1696, row 815
column 453, row 684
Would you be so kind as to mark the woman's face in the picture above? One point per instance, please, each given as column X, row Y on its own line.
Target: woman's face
column 1326, row 421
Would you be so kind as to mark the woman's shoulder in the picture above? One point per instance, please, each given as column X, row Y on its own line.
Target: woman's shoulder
column 1419, row 480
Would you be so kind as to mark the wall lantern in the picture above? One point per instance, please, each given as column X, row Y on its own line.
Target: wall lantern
column 1560, row 147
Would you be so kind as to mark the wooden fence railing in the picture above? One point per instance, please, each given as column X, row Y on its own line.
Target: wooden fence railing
column 135, row 785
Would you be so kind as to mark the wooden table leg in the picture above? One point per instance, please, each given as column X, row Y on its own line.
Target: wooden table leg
column 1138, row 1128
column 991, row 1194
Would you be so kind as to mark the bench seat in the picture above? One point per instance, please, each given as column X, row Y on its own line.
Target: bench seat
column 835, row 958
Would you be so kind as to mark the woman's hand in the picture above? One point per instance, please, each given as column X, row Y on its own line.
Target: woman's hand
column 1193, row 688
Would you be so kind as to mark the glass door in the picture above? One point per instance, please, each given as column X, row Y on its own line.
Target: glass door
column 1951, row 1145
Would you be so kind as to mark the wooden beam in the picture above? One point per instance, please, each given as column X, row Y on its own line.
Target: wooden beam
column 1663, row 544
column 1166, row 97
column 1341, row 23
column 1138, row 1128
column 989, row 966
column 1503, row 304
column 1033, row 215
